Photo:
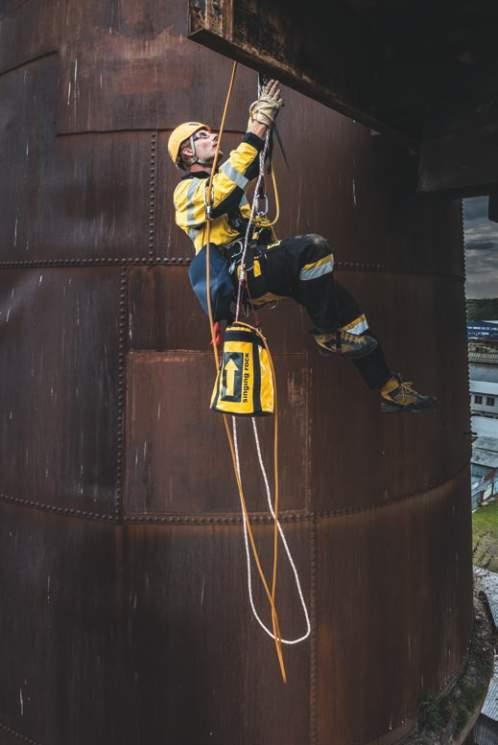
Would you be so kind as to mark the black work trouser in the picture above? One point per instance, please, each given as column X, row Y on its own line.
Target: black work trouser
column 301, row 268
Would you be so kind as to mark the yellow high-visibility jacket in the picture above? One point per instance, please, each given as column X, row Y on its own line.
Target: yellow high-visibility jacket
column 231, row 209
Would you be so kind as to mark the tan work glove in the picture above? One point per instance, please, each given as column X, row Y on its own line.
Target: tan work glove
column 269, row 103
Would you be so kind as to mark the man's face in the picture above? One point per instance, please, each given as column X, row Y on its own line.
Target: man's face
column 205, row 145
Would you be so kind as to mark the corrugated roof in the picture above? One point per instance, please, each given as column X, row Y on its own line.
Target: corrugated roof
column 484, row 458
column 485, row 452
column 485, row 426
column 488, row 373
column 490, row 707
column 483, row 386
column 484, row 442
column 488, row 582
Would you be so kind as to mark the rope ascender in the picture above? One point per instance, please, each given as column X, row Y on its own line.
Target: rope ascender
column 259, row 356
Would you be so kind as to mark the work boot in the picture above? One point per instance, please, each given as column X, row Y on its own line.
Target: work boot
column 344, row 343
column 399, row 395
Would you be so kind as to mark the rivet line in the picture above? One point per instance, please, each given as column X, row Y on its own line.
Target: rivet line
column 121, row 394
column 152, row 193
column 298, row 516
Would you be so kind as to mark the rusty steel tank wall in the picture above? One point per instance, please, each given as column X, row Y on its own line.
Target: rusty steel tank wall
column 125, row 616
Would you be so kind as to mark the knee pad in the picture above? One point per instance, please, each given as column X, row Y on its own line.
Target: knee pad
column 321, row 246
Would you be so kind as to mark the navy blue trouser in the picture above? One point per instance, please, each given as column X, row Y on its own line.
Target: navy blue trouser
column 301, row 268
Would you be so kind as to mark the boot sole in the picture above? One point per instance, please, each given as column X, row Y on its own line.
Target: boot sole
column 350, row 355
column 387, row 408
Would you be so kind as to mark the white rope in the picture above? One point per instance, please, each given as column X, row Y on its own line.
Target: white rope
column 282, row 536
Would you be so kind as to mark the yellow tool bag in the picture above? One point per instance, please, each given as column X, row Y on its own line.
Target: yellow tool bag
column 244, row 384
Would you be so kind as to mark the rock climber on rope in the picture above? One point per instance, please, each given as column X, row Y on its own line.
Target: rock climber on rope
column 300, row 267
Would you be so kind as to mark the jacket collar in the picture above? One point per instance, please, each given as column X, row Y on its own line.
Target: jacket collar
column 198, row 174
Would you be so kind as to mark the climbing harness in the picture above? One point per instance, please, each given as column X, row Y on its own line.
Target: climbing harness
column 230, row 372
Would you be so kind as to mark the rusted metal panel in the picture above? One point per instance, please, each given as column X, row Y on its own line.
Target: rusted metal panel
column 114, row 61
column 152, row 639
column 118, row 60
column 26, row 134
column 347, row 417
column 59, row 371
column 164, row 312
column 100, row 182
column 62, row 639
column 175, row 444
column 412, row 640
column 165, row 315
column 393, row 227
column 88, row 184
column 190, row 620
column 29, row 30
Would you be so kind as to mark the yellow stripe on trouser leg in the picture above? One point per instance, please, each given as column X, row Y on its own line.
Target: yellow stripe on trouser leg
column 318, row 268
column 357, row 326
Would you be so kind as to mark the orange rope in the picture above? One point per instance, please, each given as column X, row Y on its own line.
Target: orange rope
column 206, row 241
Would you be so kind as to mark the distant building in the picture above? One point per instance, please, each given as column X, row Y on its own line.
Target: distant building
column 486, row 729
column 483, row 331
column 483, row 373
column 483, row 386
column 484, row 470
column 484, row 456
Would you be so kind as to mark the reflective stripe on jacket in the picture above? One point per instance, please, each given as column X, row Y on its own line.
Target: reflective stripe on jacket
column 230, row 205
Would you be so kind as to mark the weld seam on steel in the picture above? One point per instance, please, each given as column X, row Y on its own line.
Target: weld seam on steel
column 68, row 511
column 152, row 194
column 343, row 511
column 314, row 637
column 346, row 266
column 121, row 393
column 97, row 261
column 301, row 516
column 258, row 518
column 23, row 738
column 126, row 130
column 30, row 61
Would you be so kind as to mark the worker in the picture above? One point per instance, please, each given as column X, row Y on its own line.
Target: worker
column 300, row 267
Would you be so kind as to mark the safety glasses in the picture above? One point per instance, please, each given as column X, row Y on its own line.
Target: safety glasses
column 202, row 135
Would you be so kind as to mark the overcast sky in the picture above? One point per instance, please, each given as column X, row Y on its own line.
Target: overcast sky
column 481, row 249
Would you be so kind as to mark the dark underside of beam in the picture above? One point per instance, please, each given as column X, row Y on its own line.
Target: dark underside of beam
column 422, row 71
